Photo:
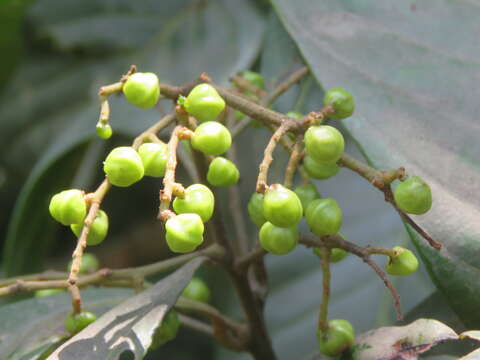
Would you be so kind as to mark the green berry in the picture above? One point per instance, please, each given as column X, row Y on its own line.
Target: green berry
column 403, row 263
column 282, row 207
column 324, row 217
column 222, row 172
column 167, row 330
column 98, row 229
column 48, row 292
column 255, row 209
column 142, row 89
column 204, row 103
column 89, row 264
column 103, row 130
column 324, row 143
column 319, row 170
column 295, row 114
column 413, row 196
column 278, row 240
column 307, row 193
column 341, row 101
column 339, row 337
column 184, row 232
column 123, row 166
column 197, row 290
column 154, row 158
column 74, row 323
column 211, row 138
column 198, row 199
column 68, row 207
column 254, row 78
column 336, row 254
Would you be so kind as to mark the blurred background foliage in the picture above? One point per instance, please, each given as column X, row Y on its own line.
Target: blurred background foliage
column 415, row 102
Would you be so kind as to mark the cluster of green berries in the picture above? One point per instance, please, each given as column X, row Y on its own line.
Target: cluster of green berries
column 69, row 208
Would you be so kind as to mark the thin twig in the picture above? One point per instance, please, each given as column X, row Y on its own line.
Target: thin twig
column 246, row 86
column 294, row 78
column 295, row 158
column 253, row 256
column 196, row 325
column 268, row 158
column 326, row 277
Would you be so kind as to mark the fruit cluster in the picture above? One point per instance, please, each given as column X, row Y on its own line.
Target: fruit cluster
column 277, row 211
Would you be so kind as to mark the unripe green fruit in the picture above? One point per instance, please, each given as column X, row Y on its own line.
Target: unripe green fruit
column 167, row 330
column 222, row 172
column 336, row 254
column 341, row 101
column 324, row 143
column 255, row 209
column 184, row 232
column 154, row 158
column 282, row 207
column 307, row 193
column 413, row 196
column 89, row 264
column 68, row 207
column 47, row 292
column 339, row 337
column 319, row 170
column 142, row 89
column 404, row 263
column 254, row 78
column 104, row 130
column 278, row 240
column 295, row 114
column 74, row 323
column 197, row 290
column 198, row 199
column 123, row 166
column 324, row 217
column 98, row 229
column 211, row 138
column 204, row 103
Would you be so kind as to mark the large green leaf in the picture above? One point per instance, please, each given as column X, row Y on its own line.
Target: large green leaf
column 29, row 327
column 295, row 280
column 128, row 327
column 53, row 97
column 414, row 71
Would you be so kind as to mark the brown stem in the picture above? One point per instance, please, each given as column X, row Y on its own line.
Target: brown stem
column 268, row 158
column 246, row 86
column 295, row 158
column 326, row 276
column 153, row 130
column 294, row 78
column 253, row 256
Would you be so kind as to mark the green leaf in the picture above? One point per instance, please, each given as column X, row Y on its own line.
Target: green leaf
column 29, row 327
column 129, row 327
column 53, row 97
column 413, row 73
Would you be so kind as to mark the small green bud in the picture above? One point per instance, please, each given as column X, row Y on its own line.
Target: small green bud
column 68, row 207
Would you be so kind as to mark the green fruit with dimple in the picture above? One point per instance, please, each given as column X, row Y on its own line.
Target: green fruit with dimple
column 167, row 331
column 341, row 101
column 307, row 193
column 324, row 217
column 48, row 292
column 255, row 209
column 142, row 89
column 104, row 131
column 74, row 323
column 413, row 196
column 154, row 158
column 324, row 143
column 68, row 207
column 197, row 290
column 98, row 229
column 339, row 337
column 123, row 166
column 198, row 199
column 403, row 263
column 204, row 103
column 184, row 232
column 282, row 207
column 319, row 170
column 211, row 138
column 222, row 172
column 89, row 264
column 278, row 240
